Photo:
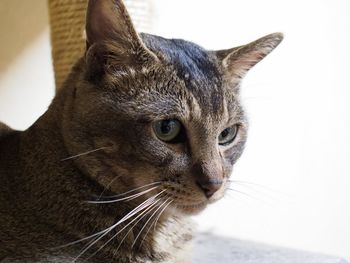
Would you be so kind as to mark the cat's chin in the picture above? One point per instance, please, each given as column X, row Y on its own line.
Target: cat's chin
column 191, row 209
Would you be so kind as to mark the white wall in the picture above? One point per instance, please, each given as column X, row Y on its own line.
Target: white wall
column 26, row 78
column 297, row 100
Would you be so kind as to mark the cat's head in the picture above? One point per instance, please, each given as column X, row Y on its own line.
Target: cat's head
column 163, row 115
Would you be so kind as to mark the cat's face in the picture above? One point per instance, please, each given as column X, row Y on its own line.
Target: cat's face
column 165, row 113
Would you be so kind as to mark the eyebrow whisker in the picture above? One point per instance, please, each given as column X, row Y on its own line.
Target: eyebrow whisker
column 82, row 154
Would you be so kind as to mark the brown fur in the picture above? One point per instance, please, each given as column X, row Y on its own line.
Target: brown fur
column 114, row 93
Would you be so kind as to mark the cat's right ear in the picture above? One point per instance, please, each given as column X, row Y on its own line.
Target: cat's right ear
column 112, row 37
column 236, row 62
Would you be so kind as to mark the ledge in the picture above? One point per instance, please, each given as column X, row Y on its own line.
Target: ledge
column 210, row 248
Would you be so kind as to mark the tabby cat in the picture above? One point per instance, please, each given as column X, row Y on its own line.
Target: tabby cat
column 143, row 134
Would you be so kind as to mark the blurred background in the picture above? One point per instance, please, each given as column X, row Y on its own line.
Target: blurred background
column 296, row 165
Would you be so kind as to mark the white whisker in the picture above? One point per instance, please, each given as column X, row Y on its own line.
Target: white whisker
column 106, row 187
column 121, row 242
column 84, row 153
column 243, row 193
column 133, row 190
column 265, row 191
column 254, row 184
column 127, row 198
column 154, row 213
column 140, row 207
column 88, row 237
column 81, row 240
column 161, row 212
column 140, row 216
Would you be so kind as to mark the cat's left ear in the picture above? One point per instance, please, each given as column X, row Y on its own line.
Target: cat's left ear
column 237, row 61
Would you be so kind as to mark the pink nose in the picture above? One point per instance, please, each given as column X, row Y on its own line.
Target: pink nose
column 209, row 187
column 208, row 176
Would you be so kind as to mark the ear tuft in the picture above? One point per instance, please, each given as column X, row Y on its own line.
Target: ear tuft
column 239, row 60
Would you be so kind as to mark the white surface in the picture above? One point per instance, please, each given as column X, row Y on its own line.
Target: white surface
column 26, row 77
column 211, row 248
column 27, row 85
column 298, row 104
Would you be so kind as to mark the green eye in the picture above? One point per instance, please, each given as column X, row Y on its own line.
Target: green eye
column 167, row 130
column 228, row 135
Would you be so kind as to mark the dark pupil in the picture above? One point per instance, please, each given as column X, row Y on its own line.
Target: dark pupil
column 166, row 127
column 224, row 133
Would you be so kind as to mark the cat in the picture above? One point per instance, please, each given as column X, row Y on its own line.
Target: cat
column 143, row 134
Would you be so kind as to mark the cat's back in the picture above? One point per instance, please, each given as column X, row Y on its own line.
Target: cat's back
column 9, row 166
column 9, row 139
column 4, row 130
column 8, row 154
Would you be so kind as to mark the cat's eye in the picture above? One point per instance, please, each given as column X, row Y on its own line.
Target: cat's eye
column 228, row 135
column 169, row 131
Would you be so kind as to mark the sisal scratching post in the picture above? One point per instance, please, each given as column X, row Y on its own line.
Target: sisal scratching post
column 67, row 23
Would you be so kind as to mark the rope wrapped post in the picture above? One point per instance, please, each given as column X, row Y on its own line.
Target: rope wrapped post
column 67, row 23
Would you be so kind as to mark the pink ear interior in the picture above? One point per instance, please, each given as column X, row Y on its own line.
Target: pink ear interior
column 109, row 20
column 243, row 58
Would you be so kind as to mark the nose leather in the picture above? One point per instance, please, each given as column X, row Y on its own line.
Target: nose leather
column 209, row 187
column 208, row 177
